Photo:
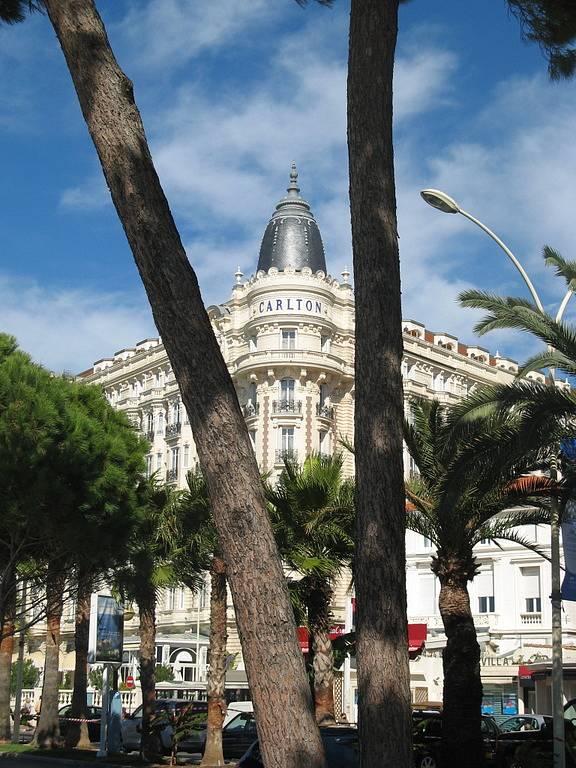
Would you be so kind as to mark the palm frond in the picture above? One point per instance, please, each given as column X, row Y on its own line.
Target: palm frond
column 562, row 267
column 520, row 314
column 549, row 359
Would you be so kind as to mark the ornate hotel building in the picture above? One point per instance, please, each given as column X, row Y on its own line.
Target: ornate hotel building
column 287, row 336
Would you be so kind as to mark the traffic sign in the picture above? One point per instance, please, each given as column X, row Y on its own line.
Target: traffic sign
column 130, row 682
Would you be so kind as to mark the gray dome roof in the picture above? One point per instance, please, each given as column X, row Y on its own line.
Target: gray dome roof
column 292, row 237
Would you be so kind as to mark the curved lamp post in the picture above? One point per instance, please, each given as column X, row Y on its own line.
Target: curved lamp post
column 443, row 202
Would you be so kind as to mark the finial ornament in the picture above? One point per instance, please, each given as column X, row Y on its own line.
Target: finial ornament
column 293, row 186
column 238, row 275
column 345, row 275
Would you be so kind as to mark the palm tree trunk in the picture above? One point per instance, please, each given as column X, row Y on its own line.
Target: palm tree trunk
column 48, row 730
column 149, row 744
column 77, row 733
column 216, row 684
column 271, row 653
column 6, row 650
column 380, row 568
column 319, row 619
column 461, row 720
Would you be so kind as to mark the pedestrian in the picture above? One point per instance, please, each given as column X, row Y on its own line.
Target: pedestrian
column 38, row 709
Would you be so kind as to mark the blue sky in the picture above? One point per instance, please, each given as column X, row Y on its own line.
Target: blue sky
column 231, row 91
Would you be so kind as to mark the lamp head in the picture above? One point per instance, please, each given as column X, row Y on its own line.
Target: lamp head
column 440, row 200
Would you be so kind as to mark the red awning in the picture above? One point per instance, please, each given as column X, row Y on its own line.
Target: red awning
column 417, row 634
column 304, row 637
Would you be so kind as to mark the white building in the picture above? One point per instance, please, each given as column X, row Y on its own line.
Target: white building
column 287, row 336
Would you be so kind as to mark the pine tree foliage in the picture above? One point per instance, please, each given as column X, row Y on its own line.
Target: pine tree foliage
column 551, row 24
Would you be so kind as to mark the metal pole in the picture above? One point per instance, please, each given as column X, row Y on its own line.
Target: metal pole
column 102, row 751
column 197, row 675
column 20, row 670
column 556, row 597
column 510, row 255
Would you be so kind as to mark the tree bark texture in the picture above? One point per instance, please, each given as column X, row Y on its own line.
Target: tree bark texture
column 462, row 743
column 48, row 730
column 149, row 743
column 6, row 651
column 216, row 683
column 77, row 733
column 319, row 620
column 381, row 630
column 274, row 663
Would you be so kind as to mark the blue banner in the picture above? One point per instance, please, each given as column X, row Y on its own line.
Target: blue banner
column 569, row 542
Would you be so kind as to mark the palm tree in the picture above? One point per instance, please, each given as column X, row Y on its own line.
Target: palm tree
column 312, row 509
column 200, row 553
column 149, row 569
column 456, row 500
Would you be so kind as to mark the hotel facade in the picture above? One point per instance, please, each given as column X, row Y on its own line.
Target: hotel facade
column 287, row 336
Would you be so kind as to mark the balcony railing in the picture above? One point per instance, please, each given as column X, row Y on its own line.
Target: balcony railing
column 286, row 454
column 173, row 430
column 324, row 411
column 531, row 618
column 150, row 435
column 171, row 475
column 287, row 406
column 251, row 409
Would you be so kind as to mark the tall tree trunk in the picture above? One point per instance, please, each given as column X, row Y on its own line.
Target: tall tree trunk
column 272, row 656
column 319, row 620
column 380, row 566
column 77, row 733
column 6, row 650
column 216, row 684
column 149, row 744
column 48, row 730
column 462, row 743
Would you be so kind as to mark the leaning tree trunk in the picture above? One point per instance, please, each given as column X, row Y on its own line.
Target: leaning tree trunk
column 216, row 684
column 319, row 618
column 380, row 563
column 462, row 701
column 48, row 730
column 6, row 649
column 77, row 733
column 149, row 743
column 272, row 656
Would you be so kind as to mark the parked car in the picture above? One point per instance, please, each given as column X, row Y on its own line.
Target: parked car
column 132, row 726
column 340, row 745
column 237, row 735
column 535, row 748
column 93, row 714
column 525, row 723
column 427, row 739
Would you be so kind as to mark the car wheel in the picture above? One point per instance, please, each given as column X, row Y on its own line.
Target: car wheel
column 428, row 761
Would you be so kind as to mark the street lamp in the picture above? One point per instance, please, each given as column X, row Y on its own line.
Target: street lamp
column 443, row 202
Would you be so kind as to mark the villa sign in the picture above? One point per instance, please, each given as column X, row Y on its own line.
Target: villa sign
column 290, row 304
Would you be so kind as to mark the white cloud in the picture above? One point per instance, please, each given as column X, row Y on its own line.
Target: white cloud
column 516, row 175
column 92, row 195
column 68, row 329
column 165, row 34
